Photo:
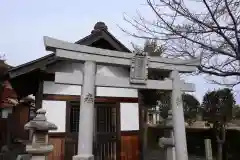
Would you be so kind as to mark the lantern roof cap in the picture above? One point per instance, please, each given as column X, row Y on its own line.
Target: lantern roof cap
column 40, row 122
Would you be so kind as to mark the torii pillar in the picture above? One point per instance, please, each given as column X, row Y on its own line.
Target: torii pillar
column 86, row 123
column 178, row 118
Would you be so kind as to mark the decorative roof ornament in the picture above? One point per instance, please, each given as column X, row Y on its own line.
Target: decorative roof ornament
column 99, row 26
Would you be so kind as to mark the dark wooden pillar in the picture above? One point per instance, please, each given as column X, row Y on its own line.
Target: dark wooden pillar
column 39, row 94
column 141, row 126
column 9, row 129
column 38, row 101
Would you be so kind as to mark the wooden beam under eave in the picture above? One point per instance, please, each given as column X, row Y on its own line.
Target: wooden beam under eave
column 68, row 98
column 116, row 82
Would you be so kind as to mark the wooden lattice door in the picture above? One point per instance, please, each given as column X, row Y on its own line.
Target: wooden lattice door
column 107, row 132
column 72, row 127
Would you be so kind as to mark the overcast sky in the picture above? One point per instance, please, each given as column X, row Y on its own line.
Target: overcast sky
column 24, row 23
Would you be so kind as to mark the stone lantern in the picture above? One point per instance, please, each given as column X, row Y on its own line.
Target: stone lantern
column 168, row 142
column 39, row 148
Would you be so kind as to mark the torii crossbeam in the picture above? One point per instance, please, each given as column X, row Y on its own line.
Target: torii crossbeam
column 138, row 65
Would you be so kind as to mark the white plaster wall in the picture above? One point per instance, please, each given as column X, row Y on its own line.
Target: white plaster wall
column 116, row 92
column 52, row 88
column 60, row 89
column 129, row 116
column 56, row 113
column 66, row 67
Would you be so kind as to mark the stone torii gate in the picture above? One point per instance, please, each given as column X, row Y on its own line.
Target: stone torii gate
column 139, row 64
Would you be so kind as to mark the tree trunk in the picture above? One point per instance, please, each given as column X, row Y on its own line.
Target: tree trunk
column 219, row 151
column 225, row 151
column 220, row 142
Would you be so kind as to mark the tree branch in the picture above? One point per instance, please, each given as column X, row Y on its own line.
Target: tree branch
column 211, row 32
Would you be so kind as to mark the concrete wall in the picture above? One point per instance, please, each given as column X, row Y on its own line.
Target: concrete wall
column 56, row 110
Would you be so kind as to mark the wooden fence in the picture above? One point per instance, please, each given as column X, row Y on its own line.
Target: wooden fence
column 58, row 143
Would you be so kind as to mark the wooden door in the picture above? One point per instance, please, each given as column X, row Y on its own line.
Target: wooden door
column 70, row 148
column 72, row 125
column 130, row 149
column 107, row 132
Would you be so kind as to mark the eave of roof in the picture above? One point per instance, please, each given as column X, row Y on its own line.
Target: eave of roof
column 47, row 57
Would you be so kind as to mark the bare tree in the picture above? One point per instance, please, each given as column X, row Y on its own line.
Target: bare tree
column 209, row 29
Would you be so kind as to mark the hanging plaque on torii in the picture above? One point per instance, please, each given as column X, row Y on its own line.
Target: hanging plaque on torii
column 139, row 68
